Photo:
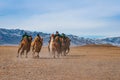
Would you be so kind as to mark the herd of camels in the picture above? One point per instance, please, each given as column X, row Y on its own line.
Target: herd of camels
column 54, row 46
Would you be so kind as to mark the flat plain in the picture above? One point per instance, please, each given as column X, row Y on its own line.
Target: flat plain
column 91, row 62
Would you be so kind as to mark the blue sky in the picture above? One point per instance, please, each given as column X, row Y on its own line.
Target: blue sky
column 78, row 17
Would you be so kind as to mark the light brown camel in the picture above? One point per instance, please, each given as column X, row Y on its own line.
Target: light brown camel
column 54, row 46
column 24, row 46
column 37, row 45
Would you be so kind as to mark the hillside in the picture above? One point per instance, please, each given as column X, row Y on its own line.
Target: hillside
column 13, row 37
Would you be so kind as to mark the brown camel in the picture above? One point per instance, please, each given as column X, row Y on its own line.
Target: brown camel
column 24, row 46
column 68, row 44
column 37, row 45
column 65, row 46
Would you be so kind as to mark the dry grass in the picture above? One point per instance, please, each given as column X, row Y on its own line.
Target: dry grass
column 82, row 63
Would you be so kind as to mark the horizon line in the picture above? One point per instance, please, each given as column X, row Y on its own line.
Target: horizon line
column 85, row 36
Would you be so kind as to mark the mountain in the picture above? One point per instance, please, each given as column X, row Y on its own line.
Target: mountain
column 112, row 41
column 13, row 37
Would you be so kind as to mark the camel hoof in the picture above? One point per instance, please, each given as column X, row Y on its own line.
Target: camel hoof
column 36, row 57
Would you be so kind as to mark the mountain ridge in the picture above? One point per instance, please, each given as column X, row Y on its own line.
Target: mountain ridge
column 13, row 37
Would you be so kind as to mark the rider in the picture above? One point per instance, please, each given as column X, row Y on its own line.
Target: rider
column 64, row 36
column 25, row 35
column 38, row 38
column 59, row 36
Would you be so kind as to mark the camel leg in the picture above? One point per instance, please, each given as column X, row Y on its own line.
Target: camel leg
column 32, row 48
column 53, row 54
column 17, row 54
column 64, row 52
column 19, row 50
column 67, row 50
column 58, row 54
column 33, row 53
column 26, row 54
column 21, row 53
column 61, row 52
column 50, row 54
column 38, row 54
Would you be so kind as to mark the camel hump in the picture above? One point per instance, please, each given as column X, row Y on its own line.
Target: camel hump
column 57, row 38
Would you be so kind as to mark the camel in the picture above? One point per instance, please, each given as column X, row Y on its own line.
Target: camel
column 65, row 46
column 54, row 46
column 24, row 46
column 37, row 45
column 68, row 44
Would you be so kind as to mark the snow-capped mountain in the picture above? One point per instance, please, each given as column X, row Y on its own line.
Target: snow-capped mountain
column 75, row 40
column 112, row 40
column 13, row 37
